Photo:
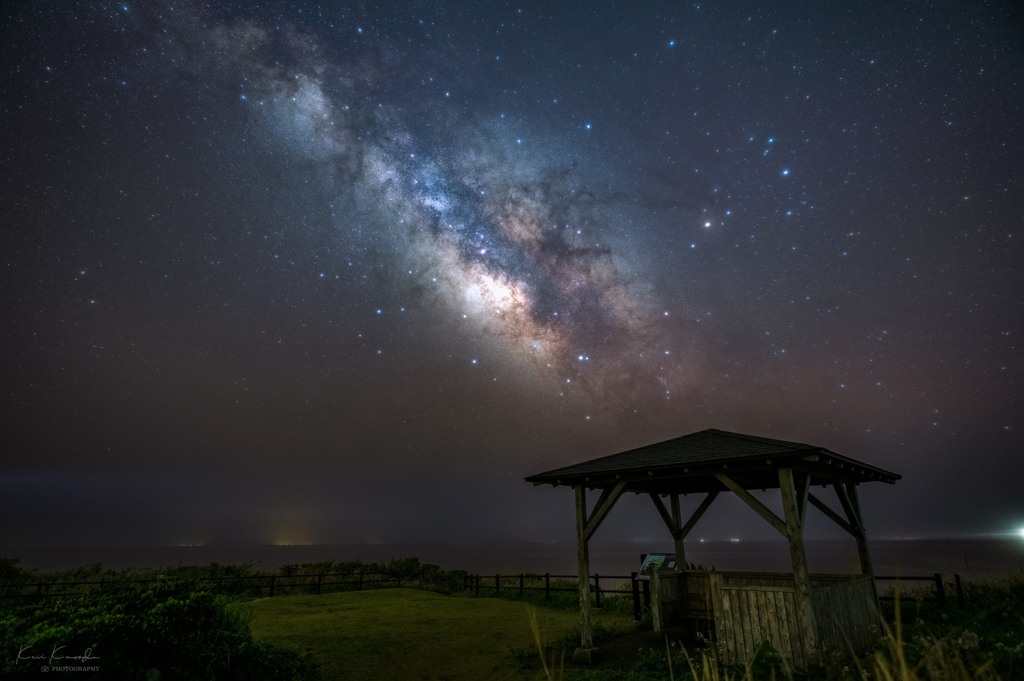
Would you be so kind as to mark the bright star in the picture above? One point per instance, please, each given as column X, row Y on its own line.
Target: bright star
column 785, row 172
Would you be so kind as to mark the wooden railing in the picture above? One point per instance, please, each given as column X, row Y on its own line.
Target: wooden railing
column 259, row 584
column 518, row 583
column 940, row 589
column 477, row 584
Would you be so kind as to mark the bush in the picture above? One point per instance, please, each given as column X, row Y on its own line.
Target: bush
column 178, row 628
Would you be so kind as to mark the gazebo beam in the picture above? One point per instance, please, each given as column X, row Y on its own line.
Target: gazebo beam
column 753, row 503
column 608, row 498
column 832, row 515
column 704, row 506
column 669, row 522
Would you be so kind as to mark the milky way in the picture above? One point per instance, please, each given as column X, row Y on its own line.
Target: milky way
column 513, row 240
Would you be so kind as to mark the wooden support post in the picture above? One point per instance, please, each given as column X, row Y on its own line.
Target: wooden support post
column 803, row 490
column 478, row 585
column 940, row 590
column 677, row 536
column 522, row 578
column 583, row 563
column 657, row 616
column 497, row 584
column 273, row 578
column 851, row 505
column 795, row 535
column 677, row 539
column 636, row 595
column 547, row 586
column 360, row 581
column 647, row 594
column 597, row 590
column 319, row 581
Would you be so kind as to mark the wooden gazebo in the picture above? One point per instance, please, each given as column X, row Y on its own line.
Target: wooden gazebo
column 809, row 618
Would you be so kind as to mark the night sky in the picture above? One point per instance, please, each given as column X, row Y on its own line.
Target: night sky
column 348, row 272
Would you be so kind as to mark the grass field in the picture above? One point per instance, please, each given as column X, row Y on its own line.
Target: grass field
column 399, row 634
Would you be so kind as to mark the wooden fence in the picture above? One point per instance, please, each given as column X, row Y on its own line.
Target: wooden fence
column 745, row 609
column 269, row 585
column 258, row 585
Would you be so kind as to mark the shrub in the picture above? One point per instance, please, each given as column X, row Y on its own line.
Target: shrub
column 177, row 627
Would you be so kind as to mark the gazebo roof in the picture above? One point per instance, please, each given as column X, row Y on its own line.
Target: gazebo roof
column 687, row 464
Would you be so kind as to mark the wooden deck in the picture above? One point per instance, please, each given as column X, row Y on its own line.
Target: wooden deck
column 748, row 608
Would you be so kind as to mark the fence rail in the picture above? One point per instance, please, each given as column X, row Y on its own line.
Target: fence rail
column 940, row 589
column 258, row 583
column 358, row 581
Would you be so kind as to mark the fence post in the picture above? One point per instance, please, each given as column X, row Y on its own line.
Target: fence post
column 497, row 583
column 959, row 593
column 273, row 578
column 478, row 585
column 547, row 586
column 647, row 595
column 940, row 591
column 636, row 596
column 522, row 578
column 360, row 580
column 597, row 590
column 39, row 589
column 319, row 581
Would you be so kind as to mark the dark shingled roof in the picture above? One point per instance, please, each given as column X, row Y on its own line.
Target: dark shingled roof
column 685, row 464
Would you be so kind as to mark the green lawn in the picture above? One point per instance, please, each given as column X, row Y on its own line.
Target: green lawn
column 398, row 634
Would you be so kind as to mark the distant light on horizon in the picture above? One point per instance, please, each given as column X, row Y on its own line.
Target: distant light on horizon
column 1021, row 532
